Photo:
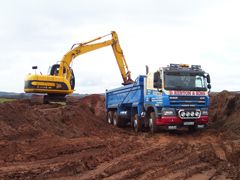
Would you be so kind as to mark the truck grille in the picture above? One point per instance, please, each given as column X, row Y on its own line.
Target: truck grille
column 187, row 100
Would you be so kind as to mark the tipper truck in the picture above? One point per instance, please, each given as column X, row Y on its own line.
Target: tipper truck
column 172, row 97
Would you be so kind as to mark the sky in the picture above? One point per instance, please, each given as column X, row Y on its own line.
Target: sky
column 151, row 32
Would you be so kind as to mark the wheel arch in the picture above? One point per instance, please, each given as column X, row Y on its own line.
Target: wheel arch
column 111, row 109
column 150, row 109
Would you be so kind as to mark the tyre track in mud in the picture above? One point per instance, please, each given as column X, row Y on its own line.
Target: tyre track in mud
column 169, row 157
column 69, row 157
column 63, row 158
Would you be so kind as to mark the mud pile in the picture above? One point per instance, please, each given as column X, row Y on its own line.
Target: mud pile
column 25, row 127
column 54, row 140
column 225, row 112
column 21, row 119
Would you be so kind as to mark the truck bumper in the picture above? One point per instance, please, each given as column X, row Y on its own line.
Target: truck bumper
column 175, row 120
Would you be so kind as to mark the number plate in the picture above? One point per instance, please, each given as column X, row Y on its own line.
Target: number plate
column 200, row 126
column 172, row 127
column 188, row 123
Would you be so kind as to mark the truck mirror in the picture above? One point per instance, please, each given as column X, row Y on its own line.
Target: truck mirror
column 208, row 79
column 147, row 69
column 158, row 84
column 209, row 86
column 157, row 81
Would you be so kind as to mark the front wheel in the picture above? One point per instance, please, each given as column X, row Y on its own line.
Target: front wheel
column 152, row 126
column 137, row 123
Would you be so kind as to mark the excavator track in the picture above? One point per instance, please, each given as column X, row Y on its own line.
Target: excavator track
column 47, row 98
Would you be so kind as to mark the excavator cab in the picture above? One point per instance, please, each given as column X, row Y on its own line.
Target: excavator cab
column 54, row 70
column 72, row 79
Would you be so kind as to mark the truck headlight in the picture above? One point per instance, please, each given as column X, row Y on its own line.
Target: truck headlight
column 204, row 112
column 182, row 114
column 192, row 113
column 197, row 113
column 168, row 112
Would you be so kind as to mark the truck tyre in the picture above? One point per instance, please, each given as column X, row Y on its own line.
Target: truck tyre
column 137, row 123
column 110, row 117
column 152, row 126
column 116, row 120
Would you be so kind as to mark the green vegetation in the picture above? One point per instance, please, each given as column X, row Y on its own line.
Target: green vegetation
column 2, row 100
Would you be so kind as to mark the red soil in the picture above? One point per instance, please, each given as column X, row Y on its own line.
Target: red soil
column 75, row 141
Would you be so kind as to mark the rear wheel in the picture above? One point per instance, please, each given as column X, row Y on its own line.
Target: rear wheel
column 152, row 124
column 116, row 120
column 110, row 117
column 137, row 123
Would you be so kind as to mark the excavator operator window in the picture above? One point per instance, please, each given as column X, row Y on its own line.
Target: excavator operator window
column 55, row 70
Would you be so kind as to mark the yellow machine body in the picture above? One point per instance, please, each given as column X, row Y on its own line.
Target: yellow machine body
column 35, row 83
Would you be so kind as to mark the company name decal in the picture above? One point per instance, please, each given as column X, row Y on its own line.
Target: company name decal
column 187, row 93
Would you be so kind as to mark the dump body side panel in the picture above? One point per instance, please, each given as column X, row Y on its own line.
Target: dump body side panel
column 126, row 97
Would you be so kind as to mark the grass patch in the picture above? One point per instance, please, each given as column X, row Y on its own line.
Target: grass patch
column 2, row 100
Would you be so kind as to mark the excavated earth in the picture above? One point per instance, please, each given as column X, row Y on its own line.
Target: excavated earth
column 74, row 141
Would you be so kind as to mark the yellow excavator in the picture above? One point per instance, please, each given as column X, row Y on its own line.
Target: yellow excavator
column 61, row 81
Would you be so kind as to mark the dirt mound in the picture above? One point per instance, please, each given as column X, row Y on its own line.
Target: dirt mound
column 96, row 104
column 21, row 119
column 225, row 112
column 44, row 125
column 54, row 140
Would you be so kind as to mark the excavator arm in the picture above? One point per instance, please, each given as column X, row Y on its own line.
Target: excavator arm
column 122, row 64
column 81, row 48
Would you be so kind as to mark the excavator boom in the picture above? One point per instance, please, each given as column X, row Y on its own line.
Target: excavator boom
column 81, row 48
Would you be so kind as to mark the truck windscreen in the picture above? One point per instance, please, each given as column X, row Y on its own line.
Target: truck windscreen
column 184, row 81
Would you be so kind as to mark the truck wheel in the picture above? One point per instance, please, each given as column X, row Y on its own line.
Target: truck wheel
column 152, row 126
column 116, row 120
column 137, row 123
column 110, row 117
